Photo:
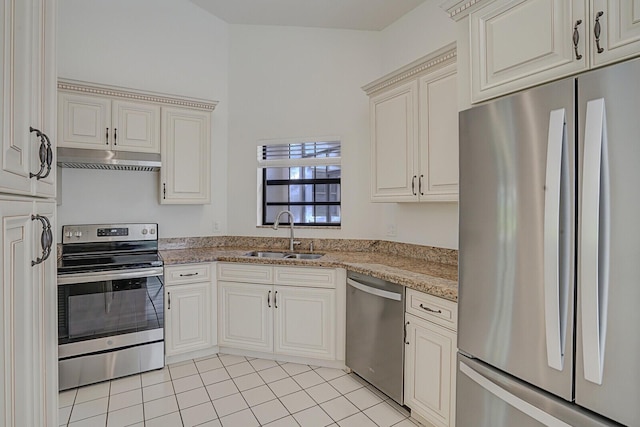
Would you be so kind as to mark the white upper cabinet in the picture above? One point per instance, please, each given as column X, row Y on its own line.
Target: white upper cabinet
column 414, row 131
column 619, row 32
column 100, row 123
column 393, row 143
column 102, row 117
column 27, row 94
column 186, row 156
column 515, row 44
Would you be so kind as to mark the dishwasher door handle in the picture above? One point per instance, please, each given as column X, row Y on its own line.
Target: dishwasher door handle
column 374, row 291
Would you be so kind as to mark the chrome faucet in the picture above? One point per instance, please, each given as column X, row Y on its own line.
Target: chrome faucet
column 291, row 220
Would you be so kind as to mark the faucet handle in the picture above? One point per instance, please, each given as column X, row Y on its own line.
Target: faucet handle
column 311, row 246
column 296, row 242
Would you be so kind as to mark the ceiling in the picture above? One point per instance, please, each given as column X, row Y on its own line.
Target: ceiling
column 345, row 14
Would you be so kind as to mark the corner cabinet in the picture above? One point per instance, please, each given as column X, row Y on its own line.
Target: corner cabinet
column 414, row 131
column 430, row 358
column 185, row 175
column 282, row 310
column 27, row 98
column 190, row 308
column 516, row 44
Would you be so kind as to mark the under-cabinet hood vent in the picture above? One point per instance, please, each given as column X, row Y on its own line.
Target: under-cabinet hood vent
column 80, row 158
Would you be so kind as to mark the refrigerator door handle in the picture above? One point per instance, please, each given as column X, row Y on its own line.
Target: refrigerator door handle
column 594, row 241
column 557, row 219
column 484, row 380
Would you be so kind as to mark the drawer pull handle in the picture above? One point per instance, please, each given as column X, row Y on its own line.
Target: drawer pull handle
column 188, row 274
column 430, row 310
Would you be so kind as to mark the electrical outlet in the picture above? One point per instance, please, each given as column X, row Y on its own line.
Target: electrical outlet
column 391, row 230
column 216, row 227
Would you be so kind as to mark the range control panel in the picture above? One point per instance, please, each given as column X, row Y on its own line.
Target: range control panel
column 88, row 233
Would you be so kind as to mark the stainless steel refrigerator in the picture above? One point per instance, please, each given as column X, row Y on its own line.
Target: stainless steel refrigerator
column 549, row 265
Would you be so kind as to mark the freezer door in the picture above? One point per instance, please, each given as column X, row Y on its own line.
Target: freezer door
column 488, row 398
column 517, row 183
column 608, row 342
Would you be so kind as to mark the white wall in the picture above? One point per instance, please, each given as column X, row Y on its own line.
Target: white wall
column 272, row 82
column 422, row 31
column 289, row 82
column 169, row 46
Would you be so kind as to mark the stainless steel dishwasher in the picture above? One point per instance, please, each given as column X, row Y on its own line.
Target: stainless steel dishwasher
column 375, row 332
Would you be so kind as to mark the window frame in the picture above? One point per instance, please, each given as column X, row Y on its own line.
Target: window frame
column 264, row 184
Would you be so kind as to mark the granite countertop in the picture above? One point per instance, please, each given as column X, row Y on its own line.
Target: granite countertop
column 431, row 277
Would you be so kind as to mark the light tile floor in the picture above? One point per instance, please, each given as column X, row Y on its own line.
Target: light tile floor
column 232, row 391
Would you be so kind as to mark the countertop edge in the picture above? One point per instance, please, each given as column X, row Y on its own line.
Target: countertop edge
column 430, row 284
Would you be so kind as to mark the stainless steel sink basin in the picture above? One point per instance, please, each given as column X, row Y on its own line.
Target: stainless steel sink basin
column 260, row 254
column 286, row 255
column 304, row 256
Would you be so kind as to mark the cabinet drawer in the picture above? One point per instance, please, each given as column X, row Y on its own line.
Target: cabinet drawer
column 305, row 276
column 187, row 273
column 433, row 309
column 247, row 273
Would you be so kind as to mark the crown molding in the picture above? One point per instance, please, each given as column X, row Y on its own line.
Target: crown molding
column 458, row 9
column 438, row 59
column 134, row 94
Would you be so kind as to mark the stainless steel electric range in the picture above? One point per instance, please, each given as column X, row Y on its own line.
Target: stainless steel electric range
column 110, row 303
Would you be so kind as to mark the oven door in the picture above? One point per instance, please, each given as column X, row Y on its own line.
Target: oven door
column 108, row 310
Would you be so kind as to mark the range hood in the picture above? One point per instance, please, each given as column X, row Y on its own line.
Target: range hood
column 81, row 158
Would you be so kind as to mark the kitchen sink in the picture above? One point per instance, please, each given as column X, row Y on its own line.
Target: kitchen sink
column 285, row 255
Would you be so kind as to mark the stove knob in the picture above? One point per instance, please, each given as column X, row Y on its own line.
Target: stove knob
column 68, row 234
column 78, row 234
column 144, row 231
column 152, row 231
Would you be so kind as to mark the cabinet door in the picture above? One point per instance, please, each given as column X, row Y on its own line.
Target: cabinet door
column 188, row 317
column 438, row 179
column 45, row 322
column 16, row 140
column 136, row 127
column 305, row 322
column 394, row 135
column 186, row 156
column 619, row 30
column 84, row 121
column 245, row 316
column 518, row 44
column 429, row 379
column 43, row 94
column 28, row 322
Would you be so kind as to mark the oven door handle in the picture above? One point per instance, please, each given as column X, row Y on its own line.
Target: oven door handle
column 101, row 276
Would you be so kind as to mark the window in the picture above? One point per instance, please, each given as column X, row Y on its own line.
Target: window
column 302, row 177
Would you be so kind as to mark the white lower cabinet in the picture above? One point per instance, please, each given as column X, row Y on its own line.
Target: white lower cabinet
column 305, row 322
column 279, row 314
column 189, row 309
column 430, row 362
column 28, row 293
column 245, row 316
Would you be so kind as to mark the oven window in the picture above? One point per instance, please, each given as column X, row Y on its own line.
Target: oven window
column 106, row 308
